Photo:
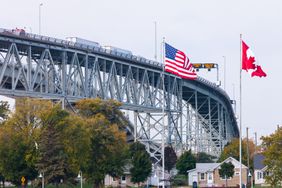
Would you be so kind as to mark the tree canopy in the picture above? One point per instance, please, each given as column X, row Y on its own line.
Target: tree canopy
column 41, row 137
column 141, row 163
column 232, row 150
column 170, row 158
column 187, row 161
column 273, row 156
column 226, row 170
column 203, row 157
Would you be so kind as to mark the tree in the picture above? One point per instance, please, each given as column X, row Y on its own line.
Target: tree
column 52, row 157
column 187, row 161
column 107, row 145
column 273, row 157
column 226, row 171
column 107, row 139
column 18, row 136
column 141, row 163
column 203, row 157
column 170, row 158
column 232, row 150
column 13, row 156
column 109, row 108
column 4, row 110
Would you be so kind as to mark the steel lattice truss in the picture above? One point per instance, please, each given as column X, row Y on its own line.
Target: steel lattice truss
column 196, row 115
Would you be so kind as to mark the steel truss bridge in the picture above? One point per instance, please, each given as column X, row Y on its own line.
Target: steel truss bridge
column 197, row 114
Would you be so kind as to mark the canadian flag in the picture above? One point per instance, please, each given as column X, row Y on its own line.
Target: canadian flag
column 248, row 62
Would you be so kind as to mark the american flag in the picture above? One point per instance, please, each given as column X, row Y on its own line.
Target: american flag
column 178, row 63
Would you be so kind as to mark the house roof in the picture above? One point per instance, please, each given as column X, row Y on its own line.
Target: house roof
column 207, row 167
column 233, row 161
column 204, row 167
column 258, row 161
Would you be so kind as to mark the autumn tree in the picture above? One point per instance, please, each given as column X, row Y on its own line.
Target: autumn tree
column 107, row 138
column 4, row 109
column 232, row 150
column 226, row 171
column 187, row 161
column 18, row 137
column 273, row 157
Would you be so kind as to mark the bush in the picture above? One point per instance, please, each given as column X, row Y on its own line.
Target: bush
column 179, row 180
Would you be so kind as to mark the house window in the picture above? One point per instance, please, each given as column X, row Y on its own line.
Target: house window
column 237, row 173
column 122, row 178
column 259, row 175
column 202, row 176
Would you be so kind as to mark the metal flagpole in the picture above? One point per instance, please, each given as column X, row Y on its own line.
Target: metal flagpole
column 163, row 114
column 240, row 134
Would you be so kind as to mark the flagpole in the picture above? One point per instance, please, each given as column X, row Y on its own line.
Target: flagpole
column 240, row 134
column 163, row 116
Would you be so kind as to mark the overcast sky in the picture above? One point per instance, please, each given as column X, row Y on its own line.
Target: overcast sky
column 206, row 30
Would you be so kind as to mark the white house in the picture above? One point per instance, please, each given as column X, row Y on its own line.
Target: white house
column 207, row 174
column 259, row 170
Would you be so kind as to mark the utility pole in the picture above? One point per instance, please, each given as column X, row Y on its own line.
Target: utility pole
column 256, row 144
column 248, row 155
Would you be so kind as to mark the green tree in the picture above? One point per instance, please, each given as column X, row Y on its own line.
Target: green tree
column 203, row 157
column 187, row 161
column 170, row 158
column 226, row 171
column 4, row 111
column 273, row 157
column 141, row 163
column 13, row 156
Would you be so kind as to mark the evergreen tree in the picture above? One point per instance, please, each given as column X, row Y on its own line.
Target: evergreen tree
column 203, row 157
column 52, row 158
column 187, row 161
column 141, row 163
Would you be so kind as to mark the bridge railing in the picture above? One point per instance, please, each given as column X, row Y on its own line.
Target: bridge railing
column 78, row 45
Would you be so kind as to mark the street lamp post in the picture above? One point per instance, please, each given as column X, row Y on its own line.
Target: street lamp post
column 40, row 5
column 80, row 177
column 41, row 175
column 224, row 71
column 250, row 177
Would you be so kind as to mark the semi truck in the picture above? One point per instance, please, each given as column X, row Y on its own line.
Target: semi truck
column 76, row 40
